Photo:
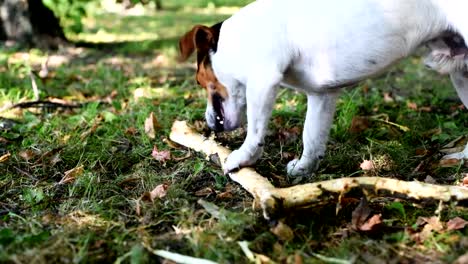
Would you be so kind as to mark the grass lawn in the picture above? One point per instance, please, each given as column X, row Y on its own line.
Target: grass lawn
column 75, row 183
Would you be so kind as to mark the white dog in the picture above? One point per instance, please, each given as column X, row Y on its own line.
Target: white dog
column 316, row 47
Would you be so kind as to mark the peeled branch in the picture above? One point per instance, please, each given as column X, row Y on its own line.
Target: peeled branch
column 275, row 202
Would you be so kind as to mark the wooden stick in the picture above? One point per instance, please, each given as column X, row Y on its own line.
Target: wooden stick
column 277, row 201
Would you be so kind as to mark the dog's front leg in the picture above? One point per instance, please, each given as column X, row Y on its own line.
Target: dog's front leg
column 260, row 95
column 460, row 82
column 320, row 112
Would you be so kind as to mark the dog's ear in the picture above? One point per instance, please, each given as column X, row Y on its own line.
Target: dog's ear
column 200, row 38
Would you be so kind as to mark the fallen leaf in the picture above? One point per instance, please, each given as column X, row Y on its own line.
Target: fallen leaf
column 426, row 109
column 456, row 223
column 367, row 165
column 162, row 156
column 289, row 134
column 448, row 163
column 464, row 182
column 463, row 259
column 225, row 195
column 372, row 223
column 158, row 192
column 430, row 224
column 72, row 175
column 360, row 214
column 359, row 124
column 131, row 131
column 388, row 98
column 283, row 231
column 5, row 157
column 204, row 192
column 151, row 125
column 412, row 105
column 429, row 179
column 28, row 154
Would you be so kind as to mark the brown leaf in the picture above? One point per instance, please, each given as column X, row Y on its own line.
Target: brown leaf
column 367, row 165
column 360, row 214
column 359, row 124
column 426, row 109
column 72, row 175
column 162, row 156
column 456, row 223
column 429, row 179
column 5, row 157
column 289, row 134
column 448, row 163
column 463, row 259
column 372, row 223
column 204, row 192
column 225, row 195
column 388, row 98
column 464, row 182
column 283, row 231
column 131, row 131
column 412, row 105
column 158, row 192
column 430, row 224
column 28, row 154
column 151, row 125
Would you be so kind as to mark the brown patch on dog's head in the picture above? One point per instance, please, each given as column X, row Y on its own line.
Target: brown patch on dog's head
column 204, row 40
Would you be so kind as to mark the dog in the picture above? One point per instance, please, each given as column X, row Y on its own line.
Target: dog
column 317, row 47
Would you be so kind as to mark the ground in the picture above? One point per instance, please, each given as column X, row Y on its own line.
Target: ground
column 85, row 180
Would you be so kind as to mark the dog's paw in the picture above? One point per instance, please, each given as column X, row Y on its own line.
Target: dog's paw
column 296, row 168
column 239, row 159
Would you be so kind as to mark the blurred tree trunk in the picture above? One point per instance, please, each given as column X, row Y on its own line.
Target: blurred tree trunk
column 29, row 22
column 159, row 5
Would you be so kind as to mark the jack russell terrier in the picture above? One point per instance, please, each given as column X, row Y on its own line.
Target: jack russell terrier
column 317, row 47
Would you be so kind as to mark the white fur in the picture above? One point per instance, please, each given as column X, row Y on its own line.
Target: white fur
column 317, row 46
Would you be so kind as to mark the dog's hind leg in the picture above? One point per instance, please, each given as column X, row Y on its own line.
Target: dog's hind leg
column 460, row 82
column 320, row 112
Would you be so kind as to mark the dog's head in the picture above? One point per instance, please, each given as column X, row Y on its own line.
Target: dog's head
column 222, row 111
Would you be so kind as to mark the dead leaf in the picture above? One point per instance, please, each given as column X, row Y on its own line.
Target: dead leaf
column 5, row 157
column 464, row 182
column 162, row 156
column 448, row 163
column 412, row 105
column 204, row 192
column 151, row 125
column 372, row 223
column 72, row 175
column 360, row 214
column 388, row 98
column 28, row 154
column 456, row 223
column 225, row 195
column 429, row 179
column 131, row 131
column 286, row 135
column 430, row 224
column 96, row 123
column 359, row 124
column 463, row 259
column 283, row 231
column 158, row 192
column 367, row 165
column 426, row 109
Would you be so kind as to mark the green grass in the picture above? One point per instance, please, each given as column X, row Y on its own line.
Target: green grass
column 94, row 218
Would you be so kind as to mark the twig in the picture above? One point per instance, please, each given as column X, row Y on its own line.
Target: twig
column 44, row 104
column 275, row 202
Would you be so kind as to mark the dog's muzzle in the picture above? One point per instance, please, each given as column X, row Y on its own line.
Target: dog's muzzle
column 217, row 102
